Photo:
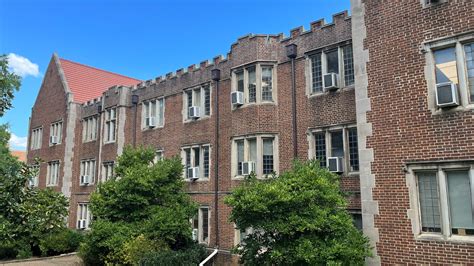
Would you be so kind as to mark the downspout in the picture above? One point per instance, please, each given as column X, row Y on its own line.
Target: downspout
column 216, row 76
column 135, row 107
column 291, row 52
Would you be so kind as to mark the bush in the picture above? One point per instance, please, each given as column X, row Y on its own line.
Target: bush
column 137, row 248
column 187, row 257
column 60, row 242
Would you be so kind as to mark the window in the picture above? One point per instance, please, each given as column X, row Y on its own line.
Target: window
column 108, row 170
column 153, row 113
column 451, row 60
column 200, row 225
column 357, row 219
column 199, row 97
column 36, row 138
column 110, row 124
column 53, row 173
column 445, row 200
column 256, row 82
column 337, row 142
column 197, row 156
column 87, row 171
column 89, row 129
column 34, row 178
column 84, row 216
column 55, row 133
column 241, row 235
column 329, row 62
column 159, row 155
column 259, row 150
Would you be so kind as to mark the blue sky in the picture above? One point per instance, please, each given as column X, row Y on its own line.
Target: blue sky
column 141, row 39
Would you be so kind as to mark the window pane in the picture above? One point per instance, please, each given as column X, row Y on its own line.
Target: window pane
column 197, row 97
column 240, row 81
column 353, row 150
column 252, row 85
column 205, row 224
column 460, row 202
column 197, row 156
column 267, row 84
column 153, row 109
column 332, row 60
column 429, row 202
column 469, row 50
column 252, row 150
column 161, row 111
column 316, row 73
column 337, row 144
column 446, row 70
column 240, row 156
column 207, row 100
column 320, row 143
column 348, row 65
column 206, row 160
column 189, row 97
column 267, row 156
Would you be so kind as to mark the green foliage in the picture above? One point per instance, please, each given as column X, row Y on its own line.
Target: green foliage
column 26, row 215
column 187, row 257
column 144, row 209
column 9, row 83
column 298, row 218
column 60, row 242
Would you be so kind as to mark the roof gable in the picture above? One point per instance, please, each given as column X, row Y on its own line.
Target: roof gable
column 87, row 83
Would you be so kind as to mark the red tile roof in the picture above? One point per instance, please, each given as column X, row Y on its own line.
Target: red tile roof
column 87, row 83
column 21, row 155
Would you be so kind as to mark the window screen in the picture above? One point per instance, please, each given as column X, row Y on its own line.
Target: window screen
column 460, row 203
column 429, row 202
column 240, row 81
column 240, row 156
column 332, row 60
column 446, row 70
column 337, row 144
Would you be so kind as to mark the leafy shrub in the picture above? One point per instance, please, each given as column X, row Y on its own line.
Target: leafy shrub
column 135, row 249
column 187, row 257
column 60, row 242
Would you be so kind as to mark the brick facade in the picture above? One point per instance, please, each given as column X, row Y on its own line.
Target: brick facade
column 389, row 135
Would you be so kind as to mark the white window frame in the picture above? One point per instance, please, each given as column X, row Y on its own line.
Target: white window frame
column 201, row 161
column 110, row 125
column 258, row 76
column 34, row 179
column 414, row 213
column 200, row 225
column 89, row 128
column 36, row 138
column 88, row 166
column 108, row 167
column 201, row 88
column 160, row 116
column 456, row 42
column 52, row 176
column 159, row 155
column 84, row 213
column 341, row 74
column 56, row 131
column 345, row 138
column 259, row 163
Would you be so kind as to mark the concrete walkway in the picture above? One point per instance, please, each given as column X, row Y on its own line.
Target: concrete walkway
column 67, row 259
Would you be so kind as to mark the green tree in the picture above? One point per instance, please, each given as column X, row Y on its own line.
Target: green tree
column 9, row 83
column 298, row 218
column 143, row 209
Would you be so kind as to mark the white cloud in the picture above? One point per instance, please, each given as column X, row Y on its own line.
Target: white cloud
column 22, row 66
column 17, row 142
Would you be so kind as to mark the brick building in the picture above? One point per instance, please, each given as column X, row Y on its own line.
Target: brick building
column 320, row 93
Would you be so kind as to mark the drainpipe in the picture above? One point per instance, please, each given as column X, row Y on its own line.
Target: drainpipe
column 291, row 52
column 135, row 107
column 216, row 76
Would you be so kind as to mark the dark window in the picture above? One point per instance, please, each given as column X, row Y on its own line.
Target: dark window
column 337, row 144
column 469, row 50
column 316, row 73
column 353, row 149
column 188, row 160
column 205, row 150
column 320, row 143
column 205, row 224
column 240, row 81
column 240, row 156
column 357, row 220
column 332, row 60
column 207, row 100
column 348, row 65
column 252, row 85
column 267, row 156
column 429, row 202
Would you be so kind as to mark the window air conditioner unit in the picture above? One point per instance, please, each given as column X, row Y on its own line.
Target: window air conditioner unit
column 194, row 112
column 81, row 224
column 53, row 140
column 193, row 173
column 447, row 94
column 151, row 121
column 237, row 98
column 330, row 81
column 248, row 168
column 335, row 164
column 85, row 180
column 195, row 234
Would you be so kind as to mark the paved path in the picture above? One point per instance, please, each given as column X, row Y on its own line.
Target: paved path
column 67, row 260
